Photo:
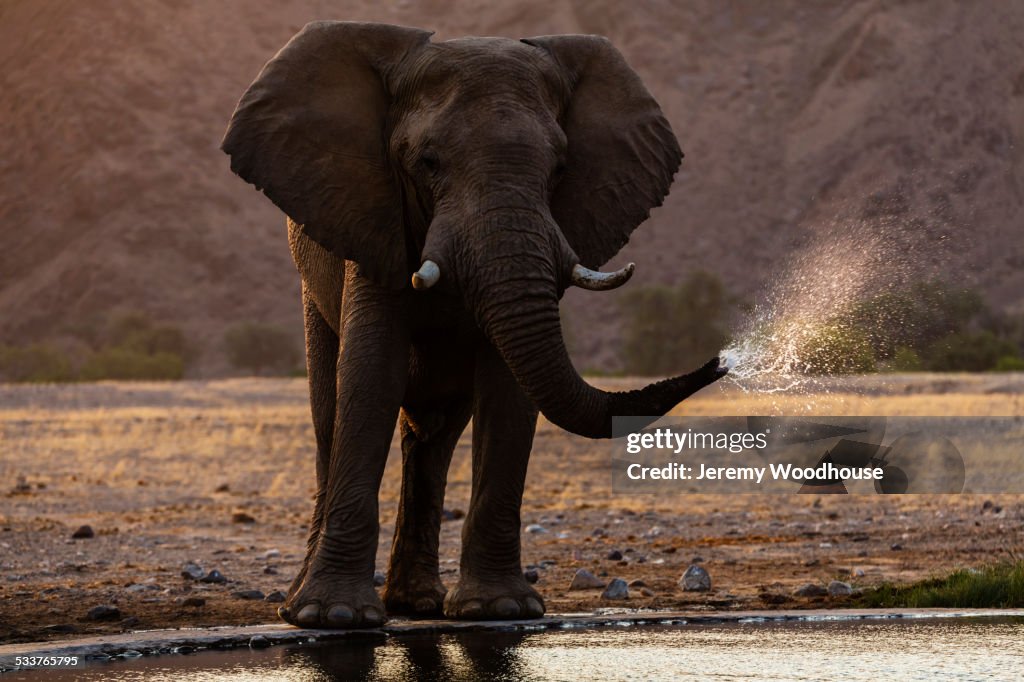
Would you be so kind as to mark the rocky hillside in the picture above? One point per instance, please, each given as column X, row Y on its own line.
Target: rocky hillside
column 797, row 119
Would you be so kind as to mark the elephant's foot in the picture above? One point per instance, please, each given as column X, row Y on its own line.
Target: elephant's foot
column 420, row 595
column 499, row 599
column 326, row 601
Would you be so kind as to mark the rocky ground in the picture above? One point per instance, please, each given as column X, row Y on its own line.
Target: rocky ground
column 220, row 474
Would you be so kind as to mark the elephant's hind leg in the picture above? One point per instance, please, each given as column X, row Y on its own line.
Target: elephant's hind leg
column 321, row 366
column 428, row 438
column 491, row 583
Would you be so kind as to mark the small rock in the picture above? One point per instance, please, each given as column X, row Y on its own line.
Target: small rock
column 697, row 560
column 988, row 505
column 193, row 602
column 585, row 580
column 617, row 589
column 222, row 488
column 695, row 579
column 192, row 571
column 646, row 591
column 271, row 554
column 536, row 528
column 895, row 546
column 214, row 576
column 275, row 597
column 269, row 570
column 242, row 517
column 857, row 573
column 598, row 533
column 531, row 575
column 62, row 628
column 83, row 533
column 452, row 514
column 837, row 588
column 614, row 555
column 142, row 588
column 811, row 590
column 104, row 612
column 379, row 579
column 258, row 642
column 637, row 583
column 254, row 595
column 773, row 598
column 130, row 622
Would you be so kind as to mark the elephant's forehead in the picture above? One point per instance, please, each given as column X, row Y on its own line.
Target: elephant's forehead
column 476, row 66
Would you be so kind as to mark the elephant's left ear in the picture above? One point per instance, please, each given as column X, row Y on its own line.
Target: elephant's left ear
column 310, row 132
column 622, row 153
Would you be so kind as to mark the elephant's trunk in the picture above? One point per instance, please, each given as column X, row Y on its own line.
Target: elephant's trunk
column 516, row 304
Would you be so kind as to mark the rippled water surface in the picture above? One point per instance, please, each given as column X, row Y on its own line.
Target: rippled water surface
column 906, row 649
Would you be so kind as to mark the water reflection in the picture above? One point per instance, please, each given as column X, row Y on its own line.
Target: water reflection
column 906, row 649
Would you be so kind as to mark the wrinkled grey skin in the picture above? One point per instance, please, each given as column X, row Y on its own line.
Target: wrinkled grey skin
column 505, row 162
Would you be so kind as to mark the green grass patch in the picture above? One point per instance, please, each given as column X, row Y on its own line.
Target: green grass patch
column 996, row 586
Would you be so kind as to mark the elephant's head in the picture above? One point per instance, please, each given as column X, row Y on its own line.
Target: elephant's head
column 497, row 170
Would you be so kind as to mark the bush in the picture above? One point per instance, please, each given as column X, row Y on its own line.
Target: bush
column 671, row 329
column 838, row 349
column 260, row 347
column 40, row 363
column 907, row 360
column 968, row 352
column 129, row 364
column 1010, row 363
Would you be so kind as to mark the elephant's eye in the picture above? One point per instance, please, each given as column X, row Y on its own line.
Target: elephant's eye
column 430, row 162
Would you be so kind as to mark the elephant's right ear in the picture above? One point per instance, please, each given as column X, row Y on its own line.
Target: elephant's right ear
column 310, row 130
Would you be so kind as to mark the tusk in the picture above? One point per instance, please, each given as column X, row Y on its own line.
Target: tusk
column 427, row 276
column 585, row 278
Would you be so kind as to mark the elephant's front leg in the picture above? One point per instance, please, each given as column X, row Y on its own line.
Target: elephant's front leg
column 337, row 590
column 491, row 583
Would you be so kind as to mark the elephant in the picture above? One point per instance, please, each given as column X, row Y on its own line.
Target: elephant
column 440, row 198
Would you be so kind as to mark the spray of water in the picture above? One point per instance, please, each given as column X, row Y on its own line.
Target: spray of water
column 803, row 319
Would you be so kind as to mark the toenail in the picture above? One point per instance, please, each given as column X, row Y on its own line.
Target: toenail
column 308, row 615
column 506, row 607
column 533, row 608
column 339, row 614
column 284, row 614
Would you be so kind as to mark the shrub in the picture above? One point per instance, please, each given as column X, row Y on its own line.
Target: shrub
column 968, row 352
column 838, row 349
column 260, row 347
column 34, row 363
column 670, row 329
column 129, row 364
column 907, row 360
column 1010, row 363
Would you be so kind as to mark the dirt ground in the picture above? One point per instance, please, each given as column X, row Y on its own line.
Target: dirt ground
column 220, row 473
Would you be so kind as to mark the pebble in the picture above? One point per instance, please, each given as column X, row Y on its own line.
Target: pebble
column 811, row 590
column 598, row 533
column 242, row 517
column 104, row 612
column 271, row 554
column 837, row 588
column 858, row 573
column 647, row 592
column 637, row 583
column 614, row 555
column 130, row 622
column 269, row 570
column 895, row 546
column 193, row 602
column 192, row 571
column 585, row 580
column 697, row 560
column 379, row 579
column 452, row 514
column 275, row 597
column 258, row 642
column 531, row 575
column 254, row 595
column 142, row 588
column 536, row 528
column 83, row 533
column 214, row 576
column 695, row 579
column 617, row 589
